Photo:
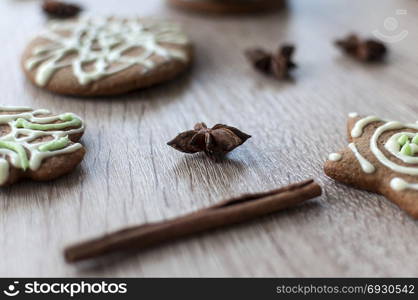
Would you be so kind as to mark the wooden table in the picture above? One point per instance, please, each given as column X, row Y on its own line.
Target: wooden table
column 131, row 176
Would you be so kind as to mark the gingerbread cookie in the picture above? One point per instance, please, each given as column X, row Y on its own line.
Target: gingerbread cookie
column 229, row 6
column 90, row 57
column 382, row 157
column 38, row 145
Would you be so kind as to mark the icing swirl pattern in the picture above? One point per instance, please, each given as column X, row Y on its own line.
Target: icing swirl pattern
column 22, row 146
column 403, row 145
column 107, row 46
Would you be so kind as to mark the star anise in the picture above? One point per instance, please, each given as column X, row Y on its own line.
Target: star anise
column 60, row 9
column 215, row 142
column 278, row 65
column 260, row 59
column 282, row 62
column 369, row 50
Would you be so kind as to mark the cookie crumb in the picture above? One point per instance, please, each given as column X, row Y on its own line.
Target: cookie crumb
column 367, row 50
column 60, row 9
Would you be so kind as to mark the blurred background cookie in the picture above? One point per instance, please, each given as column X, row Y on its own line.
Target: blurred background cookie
column 229, row 6
column 105, row 56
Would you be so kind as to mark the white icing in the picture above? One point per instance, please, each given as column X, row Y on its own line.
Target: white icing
column 102, row 44
column 398, row 184
column 24, row 137
column 335, row 156
column 15, row 108
column 394, row 148
column 353, row 115
column 364, row 163
column 4, row 170
column 381, row 157
column 357, row 130
column 414, row 149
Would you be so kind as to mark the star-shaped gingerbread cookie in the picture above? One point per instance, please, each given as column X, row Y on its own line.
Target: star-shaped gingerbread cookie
column 382, row 157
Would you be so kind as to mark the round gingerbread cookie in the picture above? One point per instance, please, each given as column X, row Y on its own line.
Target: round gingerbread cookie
column 229, row 6
column 106, row 56
column 38, row 145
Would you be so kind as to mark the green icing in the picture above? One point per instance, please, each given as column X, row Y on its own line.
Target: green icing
column 415, row 139
column 403, row 139
column 70, row 121
column 19, row 150
column 406, row 149
column 55, row 145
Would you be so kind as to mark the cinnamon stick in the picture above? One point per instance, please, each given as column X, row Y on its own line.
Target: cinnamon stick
column 233, row 211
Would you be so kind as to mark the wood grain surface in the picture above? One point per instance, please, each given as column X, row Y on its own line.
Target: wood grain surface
column 131, row 176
